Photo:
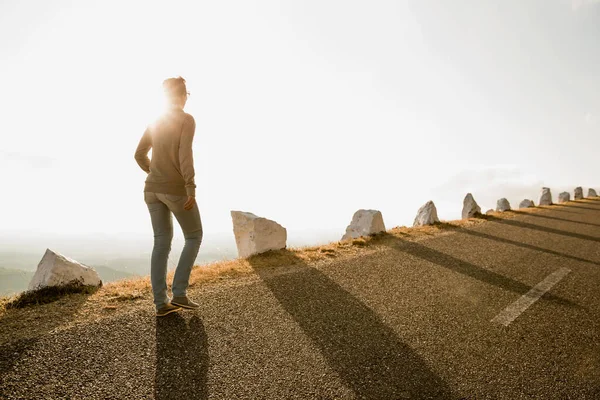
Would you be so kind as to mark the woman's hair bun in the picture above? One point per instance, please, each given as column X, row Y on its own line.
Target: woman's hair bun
column 174, row 87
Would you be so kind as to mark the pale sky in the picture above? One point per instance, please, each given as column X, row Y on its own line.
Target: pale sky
column 305, row 110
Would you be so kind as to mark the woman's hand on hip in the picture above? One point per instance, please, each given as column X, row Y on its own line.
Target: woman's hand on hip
column 189, row 204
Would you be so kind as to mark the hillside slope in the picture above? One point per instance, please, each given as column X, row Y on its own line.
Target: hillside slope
column 13, row 280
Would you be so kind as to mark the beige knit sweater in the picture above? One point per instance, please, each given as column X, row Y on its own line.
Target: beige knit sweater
column 171, row 169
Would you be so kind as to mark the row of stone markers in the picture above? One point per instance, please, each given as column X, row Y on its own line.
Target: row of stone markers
column 255, row 235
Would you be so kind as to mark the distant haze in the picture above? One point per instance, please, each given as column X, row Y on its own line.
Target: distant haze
column 306, row 111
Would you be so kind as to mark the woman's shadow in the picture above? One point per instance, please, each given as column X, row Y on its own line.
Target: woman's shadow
column 181, row 358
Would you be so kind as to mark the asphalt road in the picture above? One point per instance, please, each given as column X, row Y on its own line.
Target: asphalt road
column 413, row 320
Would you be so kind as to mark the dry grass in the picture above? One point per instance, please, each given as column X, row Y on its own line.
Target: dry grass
column 46, row 295
column 34, row 317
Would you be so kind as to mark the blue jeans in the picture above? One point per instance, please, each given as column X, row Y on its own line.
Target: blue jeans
column 161, row 207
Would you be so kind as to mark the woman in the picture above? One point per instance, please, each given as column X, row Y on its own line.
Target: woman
column 170, row 189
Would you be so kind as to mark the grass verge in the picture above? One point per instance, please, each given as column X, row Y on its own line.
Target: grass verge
column 47, row 295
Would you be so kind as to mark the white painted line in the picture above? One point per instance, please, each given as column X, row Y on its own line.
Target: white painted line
column 510, row 313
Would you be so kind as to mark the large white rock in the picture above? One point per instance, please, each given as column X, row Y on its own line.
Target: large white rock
column 546, row 197
column 526, row 204
column 427, row 215
column 470, row 207
column 364, row 223
column 578, row 193
column 564, row 197
column 592, row 193
column 502, row 205
column 57, row 270
column 254, row 235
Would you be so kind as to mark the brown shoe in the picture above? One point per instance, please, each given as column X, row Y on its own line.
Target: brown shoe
column 184, row 302
column 167, row 309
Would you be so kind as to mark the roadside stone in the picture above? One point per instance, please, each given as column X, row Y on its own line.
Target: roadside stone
column 526, row 204
column 546, row 197
column 578, row 193
column 470, row 207
column 255, row 235
column 364, row 223
column 503, row 205
column 564, row 197
column 592, row 193
column 427, row 215
column 57, row 270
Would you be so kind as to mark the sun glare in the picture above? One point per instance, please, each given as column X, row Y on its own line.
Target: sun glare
column 150, row 105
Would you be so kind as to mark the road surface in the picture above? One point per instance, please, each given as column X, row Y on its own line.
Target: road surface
column 505, row 309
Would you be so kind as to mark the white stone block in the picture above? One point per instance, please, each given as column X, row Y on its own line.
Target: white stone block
column 255, row 235
column 526, row 204
column 364, row 223
column 578, row 193
column 57, row 270
column 592, row 193
column 503, row 205
column 427, row 215
column 546, row 197
column 470, row 207
column 564, row 197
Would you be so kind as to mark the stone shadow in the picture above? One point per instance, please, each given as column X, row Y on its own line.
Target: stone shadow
column 518, row 244
column 10, row 353
column 463, row 267
column 554, row 218
column 521, row 224
column 365, row 352
column 562, row 210
column 182, row 358
column 17, row 338
column 577, row 206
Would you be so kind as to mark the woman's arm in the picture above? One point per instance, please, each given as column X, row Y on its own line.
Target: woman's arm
column 186, row 158
column 141, row 153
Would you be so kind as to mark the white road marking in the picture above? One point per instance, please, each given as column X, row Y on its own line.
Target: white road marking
column 510, row 313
